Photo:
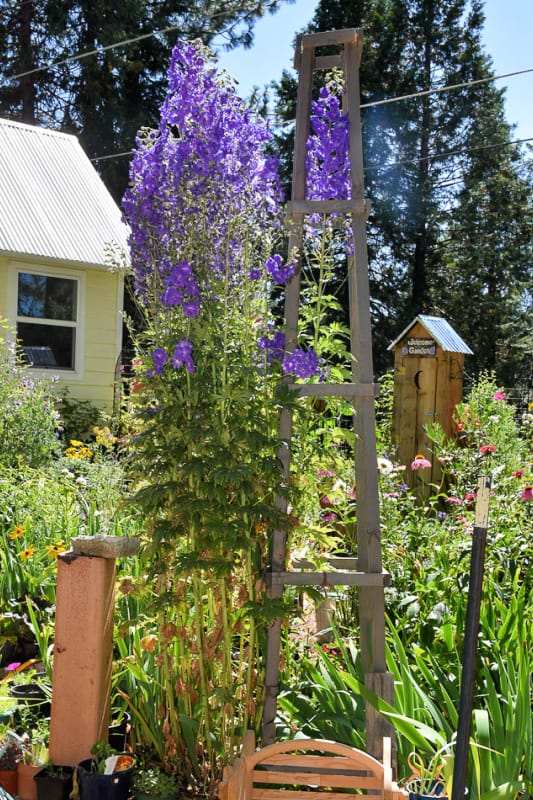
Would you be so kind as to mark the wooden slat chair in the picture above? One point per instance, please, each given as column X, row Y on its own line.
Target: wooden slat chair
column 308, row 769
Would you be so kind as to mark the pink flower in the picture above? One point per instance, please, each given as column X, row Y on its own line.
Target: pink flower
column 499, row 395
column 487, row 448
column 518, row 473
column 454, row 501
column 420, row 462
column 527, row 493
column 469, row 497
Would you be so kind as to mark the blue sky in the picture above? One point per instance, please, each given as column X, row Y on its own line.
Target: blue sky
column 507, row 39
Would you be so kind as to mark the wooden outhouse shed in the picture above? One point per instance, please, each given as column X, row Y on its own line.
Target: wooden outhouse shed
column 428, row 383
column 56, row 289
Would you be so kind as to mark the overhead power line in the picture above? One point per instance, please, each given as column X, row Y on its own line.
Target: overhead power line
column 431, row 157
column 450, row 87
column 142, row 36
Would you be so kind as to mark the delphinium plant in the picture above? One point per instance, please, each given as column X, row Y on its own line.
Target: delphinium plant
column 205, row 215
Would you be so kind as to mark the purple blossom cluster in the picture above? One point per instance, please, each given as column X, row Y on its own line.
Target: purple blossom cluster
column 182, row 358
column 181, row 289
column 200, row 184
column 327, row 163
column 301, row 363
column 279, row 272
column 273, row 346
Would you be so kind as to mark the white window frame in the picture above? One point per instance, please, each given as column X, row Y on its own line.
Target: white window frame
column 15, row 269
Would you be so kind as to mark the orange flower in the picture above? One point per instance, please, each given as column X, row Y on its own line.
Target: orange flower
column 17, row 533
column 55, row 549
column 27, row 553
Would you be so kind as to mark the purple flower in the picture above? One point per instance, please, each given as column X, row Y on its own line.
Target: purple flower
column 202, row 177
column 254, row 274
column 327, row 162
column 160, row 356
column 527, row 493
column 280, row 272
column 182, row 356
column 172, row 297
column 274, row 346
column 301, row 363
column 191, row 308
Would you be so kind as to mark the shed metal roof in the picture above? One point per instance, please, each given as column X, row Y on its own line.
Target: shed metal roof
column 441, row 331
column 53, row 203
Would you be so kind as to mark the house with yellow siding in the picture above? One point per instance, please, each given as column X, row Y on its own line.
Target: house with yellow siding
column 57, row 222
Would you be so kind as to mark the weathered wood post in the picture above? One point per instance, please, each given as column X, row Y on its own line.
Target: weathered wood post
column 83, row 648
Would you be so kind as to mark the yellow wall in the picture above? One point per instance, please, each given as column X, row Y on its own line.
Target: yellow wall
column 3, row 288
column 102, row 326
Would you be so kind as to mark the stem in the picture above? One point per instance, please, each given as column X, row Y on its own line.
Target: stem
column 204, row 697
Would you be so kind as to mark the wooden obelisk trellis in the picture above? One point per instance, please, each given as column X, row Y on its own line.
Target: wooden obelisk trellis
column 368, row 575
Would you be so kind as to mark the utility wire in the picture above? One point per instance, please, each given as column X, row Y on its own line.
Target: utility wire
column 140, row 37
column 105, row 48
column 94, row 52
column 431, row 157
column 425, row 92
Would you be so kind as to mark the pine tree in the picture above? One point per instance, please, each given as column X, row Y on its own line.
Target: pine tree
column 100, row 92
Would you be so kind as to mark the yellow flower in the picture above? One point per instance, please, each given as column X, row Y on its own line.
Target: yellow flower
column 78, row 450
column 17, row 533
column 55, row 549
column 27, row 553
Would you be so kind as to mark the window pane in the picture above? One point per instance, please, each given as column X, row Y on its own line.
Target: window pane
column 46, row 297
column 47, row 346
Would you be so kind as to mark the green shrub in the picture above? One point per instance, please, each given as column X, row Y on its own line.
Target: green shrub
column 29, row 415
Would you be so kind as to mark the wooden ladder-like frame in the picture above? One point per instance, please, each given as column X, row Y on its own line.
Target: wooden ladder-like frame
column 366, row 572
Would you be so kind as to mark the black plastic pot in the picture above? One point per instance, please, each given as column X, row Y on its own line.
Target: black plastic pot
column 33, row 696
column 426, row 790
column 54, row 783
column 94, row 786
column 118, row 733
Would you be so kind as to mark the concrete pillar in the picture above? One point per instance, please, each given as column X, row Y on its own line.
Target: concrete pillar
column 83, row 646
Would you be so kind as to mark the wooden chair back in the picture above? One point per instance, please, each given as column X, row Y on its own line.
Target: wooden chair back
column 307, row 769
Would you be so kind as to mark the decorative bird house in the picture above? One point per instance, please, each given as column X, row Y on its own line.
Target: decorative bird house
column 428, row 384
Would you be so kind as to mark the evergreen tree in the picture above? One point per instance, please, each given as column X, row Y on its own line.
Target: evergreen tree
column 419, row 182
column 100, row 92
column 487, row 279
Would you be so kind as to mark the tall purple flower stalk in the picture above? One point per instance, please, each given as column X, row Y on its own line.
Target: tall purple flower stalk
column 200, row 185
column 327, row 164
column 204, row 205
column 327, row 161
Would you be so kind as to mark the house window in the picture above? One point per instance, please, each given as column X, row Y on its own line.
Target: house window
column 47, row 319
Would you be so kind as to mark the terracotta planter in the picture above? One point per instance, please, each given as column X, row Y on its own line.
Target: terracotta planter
column 27, row 789
column 9, row 780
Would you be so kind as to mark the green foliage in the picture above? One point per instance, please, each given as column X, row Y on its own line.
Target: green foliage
column 78, row 418
column 153, row 782
column 29, row 416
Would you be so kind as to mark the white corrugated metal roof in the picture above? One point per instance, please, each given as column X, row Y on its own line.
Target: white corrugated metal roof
column 53, row 203
column 441, row 331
